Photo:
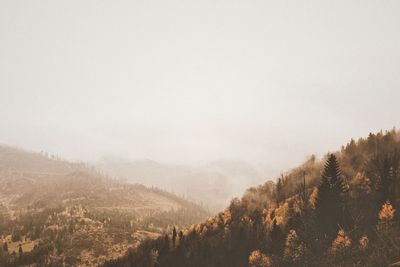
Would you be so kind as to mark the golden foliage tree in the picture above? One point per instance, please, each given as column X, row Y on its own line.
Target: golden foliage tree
column 258, row 259
column 363, row 242
column 386, row 213
column 294, row 248
column 342, row 241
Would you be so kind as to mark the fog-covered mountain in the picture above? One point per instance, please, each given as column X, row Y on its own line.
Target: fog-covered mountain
column 212, row 183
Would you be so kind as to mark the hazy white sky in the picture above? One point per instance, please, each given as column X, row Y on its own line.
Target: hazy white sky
column 267, row 81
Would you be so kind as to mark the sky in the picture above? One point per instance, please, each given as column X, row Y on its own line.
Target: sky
column 183, row 81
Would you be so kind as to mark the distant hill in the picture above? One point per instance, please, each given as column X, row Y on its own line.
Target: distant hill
column 213, row 183
column 34, row 186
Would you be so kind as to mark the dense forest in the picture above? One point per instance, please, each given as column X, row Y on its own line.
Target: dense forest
column 337, row 211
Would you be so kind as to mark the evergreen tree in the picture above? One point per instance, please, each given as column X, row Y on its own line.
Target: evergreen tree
column 383, row 167
column 277, row 238
column 388, row 168
column 279, row 191
column 181, row 239
column 166, row 242
column 329, row 206
column 173, row 236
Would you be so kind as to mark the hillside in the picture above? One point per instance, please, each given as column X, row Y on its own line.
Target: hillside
column 337, row 211
column 61, row 212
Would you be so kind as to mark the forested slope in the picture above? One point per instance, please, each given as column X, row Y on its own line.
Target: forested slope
column 338, row 211
column 57, row 213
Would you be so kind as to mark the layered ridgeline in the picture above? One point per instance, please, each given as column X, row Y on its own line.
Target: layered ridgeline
column 338, row 211
column 54, row 212
column 213, row 183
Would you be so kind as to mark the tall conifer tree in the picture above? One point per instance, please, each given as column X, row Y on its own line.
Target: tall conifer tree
column 329, row 205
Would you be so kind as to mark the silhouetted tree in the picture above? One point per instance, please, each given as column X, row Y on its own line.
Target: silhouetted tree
column 277, row 238
column 173, row 236
column 383, row 168
column 181, row 239
column 166, row 242
column 386, row 165
column 329, row 206
column 279, row 191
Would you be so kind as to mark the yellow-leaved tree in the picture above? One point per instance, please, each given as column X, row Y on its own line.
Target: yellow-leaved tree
column 258, row 259
column 386, row 213
column 294, row 248
column 341, row 242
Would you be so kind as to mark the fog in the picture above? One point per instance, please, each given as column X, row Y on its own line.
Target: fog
column 178, row 82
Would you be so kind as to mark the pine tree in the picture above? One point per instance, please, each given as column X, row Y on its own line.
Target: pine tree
column 279, row 191
column 173, row 236
column 180, row 236
column 383, row 166
column 329, row 206
column 166, row 243
column 277, row 238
